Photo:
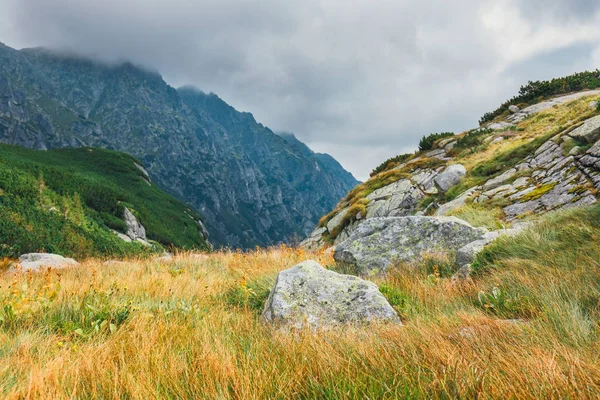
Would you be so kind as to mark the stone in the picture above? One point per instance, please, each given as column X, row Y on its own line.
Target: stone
column 467, row 253
column 513, row 109
column 135, row 230
column 500, row 190
column 380, row 243
column 450, row 145
column 444, row 142
column 575, row 151
column 460, row 201
column 450, row 177
column 462, row 275
column 336, row 221
column 496, row 126
column 310, row 296
column 37, row 261
column 521, row 182
column 315, row 240
column 499, row 180
column 593, row 105
column 497, row 140
column 589, row 131
column 396, row 199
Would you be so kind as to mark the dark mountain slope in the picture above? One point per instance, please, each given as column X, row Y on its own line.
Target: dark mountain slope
column 251, row 186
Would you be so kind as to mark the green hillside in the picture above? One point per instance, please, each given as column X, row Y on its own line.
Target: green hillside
column 67, row 201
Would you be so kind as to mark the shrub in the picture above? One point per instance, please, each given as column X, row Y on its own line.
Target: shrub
column 472, row 138
column 390, row 163
column 428, row 141
column 533, row 91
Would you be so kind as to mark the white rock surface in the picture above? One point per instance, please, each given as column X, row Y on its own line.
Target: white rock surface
column 38, row 261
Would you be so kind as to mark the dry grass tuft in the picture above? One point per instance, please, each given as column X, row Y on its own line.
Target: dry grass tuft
column 191, row 328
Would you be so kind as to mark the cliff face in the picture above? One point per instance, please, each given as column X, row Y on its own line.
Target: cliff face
column 251, row 186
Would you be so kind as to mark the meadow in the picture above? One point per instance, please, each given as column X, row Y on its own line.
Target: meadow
column 526, row 326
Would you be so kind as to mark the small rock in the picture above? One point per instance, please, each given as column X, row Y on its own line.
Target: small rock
column 589, row 131
column 467, row 253
column 497, row 140
column 462, row 275
column 38, row 261
column 575, row 151
column 135, row 230
column 514, row 109
column 310, row 296
column 593, row 104
column 336, row 220
column 499, row 180
column 460, row 201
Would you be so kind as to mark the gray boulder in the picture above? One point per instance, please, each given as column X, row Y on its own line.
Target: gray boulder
column 462, row 275
column 38, row 261
column 315, row 240
column 499, row 180
column 379, row 243
column 514, row 109
column 310, row 296
column 589, row 131
column 467, row 253
column 450, row 177
column 135, row 230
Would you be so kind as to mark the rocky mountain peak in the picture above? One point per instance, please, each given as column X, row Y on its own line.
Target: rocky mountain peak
column 252, row 187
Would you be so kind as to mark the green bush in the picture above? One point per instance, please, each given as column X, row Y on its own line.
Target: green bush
column 428, row 141
column 472, row 138
column 534, row 91
column 390, row 163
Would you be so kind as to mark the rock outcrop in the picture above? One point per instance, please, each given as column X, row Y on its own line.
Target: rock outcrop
column 379, row 243
column 37, row 261
column 310, row 296
column 399, row 198
column 135, row 230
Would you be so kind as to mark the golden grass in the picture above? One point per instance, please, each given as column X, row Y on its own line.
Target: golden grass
column 188, row 336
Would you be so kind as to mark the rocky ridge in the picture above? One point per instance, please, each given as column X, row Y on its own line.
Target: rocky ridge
column 552, row 153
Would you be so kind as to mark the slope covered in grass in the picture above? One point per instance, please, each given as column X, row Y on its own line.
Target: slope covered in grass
column 67, row 201
column 527, row 326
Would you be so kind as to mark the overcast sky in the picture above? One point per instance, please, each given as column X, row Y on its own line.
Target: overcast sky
column 362, row 80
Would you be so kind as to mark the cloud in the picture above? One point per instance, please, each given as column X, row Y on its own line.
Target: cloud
column 362, row 80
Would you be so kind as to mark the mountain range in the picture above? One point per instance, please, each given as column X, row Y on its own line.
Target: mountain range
column 251, row 186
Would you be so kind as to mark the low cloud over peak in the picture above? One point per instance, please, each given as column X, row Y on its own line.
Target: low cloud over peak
column 360, row 80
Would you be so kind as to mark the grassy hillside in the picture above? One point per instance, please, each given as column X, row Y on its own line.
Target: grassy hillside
column 527, row 326
column 66, row 201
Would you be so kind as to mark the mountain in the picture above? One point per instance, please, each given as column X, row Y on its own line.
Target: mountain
column 527, row 160
column 251, row 186
column 323, row 161
column 86, row 202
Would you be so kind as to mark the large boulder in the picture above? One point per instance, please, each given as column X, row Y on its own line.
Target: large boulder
column 589, row 131
column 450, row 177
column 37, row 261
column 310, row 296
column 379, row 243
